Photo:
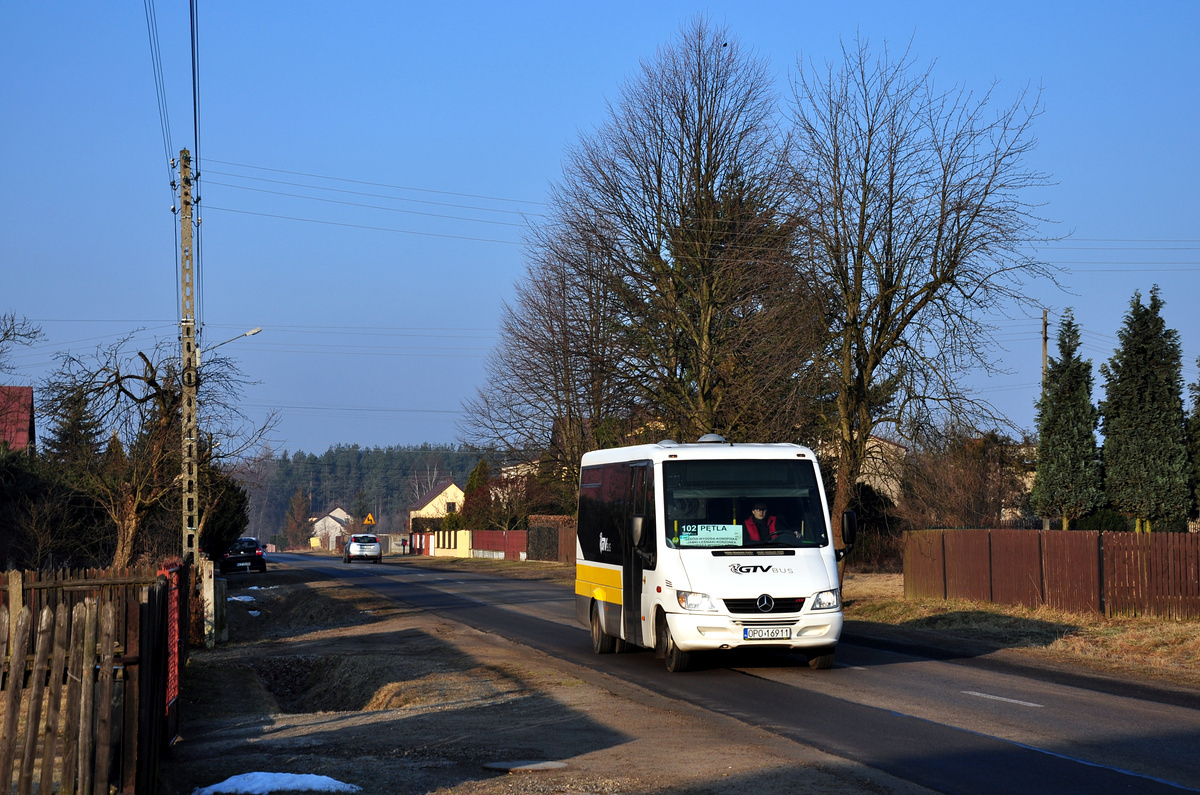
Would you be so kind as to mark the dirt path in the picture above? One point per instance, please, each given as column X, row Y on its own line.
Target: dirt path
column 330, row 680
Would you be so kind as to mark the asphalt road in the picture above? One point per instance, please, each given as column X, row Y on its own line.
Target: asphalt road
column 949, row 725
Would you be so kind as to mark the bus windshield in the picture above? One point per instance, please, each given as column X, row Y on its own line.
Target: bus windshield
column 743, row 503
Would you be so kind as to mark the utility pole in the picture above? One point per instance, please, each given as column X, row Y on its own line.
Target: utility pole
column 191, row 361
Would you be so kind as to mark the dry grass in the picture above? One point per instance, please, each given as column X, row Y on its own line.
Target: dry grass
column 1143, row 647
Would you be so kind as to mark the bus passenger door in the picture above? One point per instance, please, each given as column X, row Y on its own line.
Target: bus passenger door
column 639, row 547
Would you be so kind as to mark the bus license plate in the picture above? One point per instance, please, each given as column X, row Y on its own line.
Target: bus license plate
column 767, row 633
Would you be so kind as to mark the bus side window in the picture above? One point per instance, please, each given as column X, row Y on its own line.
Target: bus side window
column 649, row 532
column 641, row 484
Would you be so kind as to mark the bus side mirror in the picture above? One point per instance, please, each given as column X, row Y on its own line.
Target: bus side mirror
column 849, row 532
column 635, row 528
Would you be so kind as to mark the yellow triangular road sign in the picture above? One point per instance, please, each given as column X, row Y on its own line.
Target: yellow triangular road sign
column 370, row 519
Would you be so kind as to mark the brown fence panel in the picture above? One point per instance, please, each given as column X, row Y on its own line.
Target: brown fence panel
column 1071, row 560
column 1017, row 567
column 968, row 565
column 1176, row 575
column 515, row 544
column 924, row 565
column 487, row 540
column 1153, row 574
column 1126, row 573
column 566, row 543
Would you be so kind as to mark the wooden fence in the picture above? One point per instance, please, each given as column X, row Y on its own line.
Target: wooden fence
column 1154, row 574
column 511, row 543
column 90, row 678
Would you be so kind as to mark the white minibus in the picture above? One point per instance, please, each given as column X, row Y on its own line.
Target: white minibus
column 685, row 548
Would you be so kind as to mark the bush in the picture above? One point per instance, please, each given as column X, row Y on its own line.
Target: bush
column 426, row 524
column 1106, row 520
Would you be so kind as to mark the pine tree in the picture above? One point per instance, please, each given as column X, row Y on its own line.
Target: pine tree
column 296, row 529
column 1145, row 450
column 1068, row 481
column 477, row 497
column 75, row 437
column 1193, row 442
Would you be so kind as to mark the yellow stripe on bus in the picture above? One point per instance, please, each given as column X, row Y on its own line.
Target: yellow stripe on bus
column 601, row 575
column 598, row 582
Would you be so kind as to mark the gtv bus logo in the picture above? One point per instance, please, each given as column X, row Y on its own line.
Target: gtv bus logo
column 742, row 568
column 739, row 568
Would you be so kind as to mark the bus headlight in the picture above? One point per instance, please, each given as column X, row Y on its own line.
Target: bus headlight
column 826, row 600
column 690, row 600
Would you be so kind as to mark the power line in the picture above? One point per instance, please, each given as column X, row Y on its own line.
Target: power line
column 337, row 350
column 365, row 409
column 369, row 206
column 521, row 213
column 160, row 86
column 382, row 184
column 199, row 235
column 368, row 227
column 1133, row 240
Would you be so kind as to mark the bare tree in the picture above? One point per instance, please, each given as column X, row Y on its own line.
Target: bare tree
column 15, row 331
column 134, row 398
column 553, row 385
column 682, row 192
column 422, row 483
column 662, row 297
column 914, row 218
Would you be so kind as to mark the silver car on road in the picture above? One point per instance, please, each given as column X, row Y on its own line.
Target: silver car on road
column 363, row 545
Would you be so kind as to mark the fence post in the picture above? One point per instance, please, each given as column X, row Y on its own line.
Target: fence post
column 1042, row 566
column 15, row 602
column 1100, row 572
column 945, row 577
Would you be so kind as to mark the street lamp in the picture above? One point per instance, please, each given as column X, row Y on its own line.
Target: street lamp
column 249, row 333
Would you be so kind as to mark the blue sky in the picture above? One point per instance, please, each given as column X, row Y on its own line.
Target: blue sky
column 377, row 321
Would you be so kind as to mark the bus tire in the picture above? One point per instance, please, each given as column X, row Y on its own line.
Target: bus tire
column 820, row 659
column 602, row 643
column 677, row 659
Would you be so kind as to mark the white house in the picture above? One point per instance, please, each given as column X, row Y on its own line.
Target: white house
column 325, row 530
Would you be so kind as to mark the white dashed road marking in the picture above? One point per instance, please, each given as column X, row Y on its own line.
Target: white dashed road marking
column 1002, row 698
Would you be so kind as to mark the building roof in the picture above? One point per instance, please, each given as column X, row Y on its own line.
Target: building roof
column 16, row 417
column 438, row 489
column 337, row 515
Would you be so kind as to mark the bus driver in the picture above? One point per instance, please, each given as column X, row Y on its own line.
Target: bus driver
column 759, row 526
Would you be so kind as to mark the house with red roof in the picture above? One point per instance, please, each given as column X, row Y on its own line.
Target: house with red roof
column 16, row 418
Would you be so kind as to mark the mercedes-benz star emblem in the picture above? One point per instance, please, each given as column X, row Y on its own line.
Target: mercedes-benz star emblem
column 765, row 603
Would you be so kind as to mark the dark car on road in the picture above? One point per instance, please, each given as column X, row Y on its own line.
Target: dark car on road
column 245, row 554
column 363, row 545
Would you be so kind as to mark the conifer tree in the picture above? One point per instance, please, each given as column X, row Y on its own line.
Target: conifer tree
column 76, row 438
column 296, row 529
column 1145, row 449
column 1193, row 442
column 477, row 497
column 1068, row 481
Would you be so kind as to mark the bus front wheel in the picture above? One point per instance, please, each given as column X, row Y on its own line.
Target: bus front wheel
column 676, row 658
column 820, row 659
column 602, row 643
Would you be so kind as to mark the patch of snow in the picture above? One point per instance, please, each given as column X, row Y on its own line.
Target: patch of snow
column 241, row 598
column 254, row 613
column 263, row 783
column 262, row 587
